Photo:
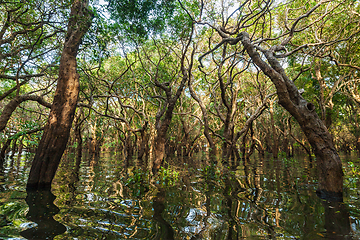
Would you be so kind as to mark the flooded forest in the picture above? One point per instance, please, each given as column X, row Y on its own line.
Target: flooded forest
column 179, row 119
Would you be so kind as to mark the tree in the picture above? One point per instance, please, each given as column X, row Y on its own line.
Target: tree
column 328, row 161
column 57, row 129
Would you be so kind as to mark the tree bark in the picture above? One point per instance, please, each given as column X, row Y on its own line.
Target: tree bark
column 57, row 129
column 144, row 140
column 78, row 138
column 328, row 160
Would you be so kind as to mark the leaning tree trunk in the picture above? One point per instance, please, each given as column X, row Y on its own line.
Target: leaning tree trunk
column 328, row 160
column 57, row 130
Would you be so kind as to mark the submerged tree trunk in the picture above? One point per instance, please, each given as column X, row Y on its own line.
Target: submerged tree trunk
column 57, row 129
column 275, row 145
column 328, row 160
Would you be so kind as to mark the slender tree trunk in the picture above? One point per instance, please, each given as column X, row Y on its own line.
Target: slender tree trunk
column 163, row 125
column 13, row 148
column 78, row 138
column 3, row 151
column 328, row 160
column 212, row 152
column 275, row 145
column 143, row 144
column 57, row 130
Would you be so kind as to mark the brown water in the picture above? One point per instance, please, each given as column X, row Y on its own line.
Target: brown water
column 259, row 199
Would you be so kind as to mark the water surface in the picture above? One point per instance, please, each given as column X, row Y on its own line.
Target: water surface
column 261, row 198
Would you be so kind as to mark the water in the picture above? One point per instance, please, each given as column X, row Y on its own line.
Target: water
column 259, row 199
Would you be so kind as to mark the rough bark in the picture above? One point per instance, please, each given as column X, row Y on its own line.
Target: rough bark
column 328, row 160
column 57, row 129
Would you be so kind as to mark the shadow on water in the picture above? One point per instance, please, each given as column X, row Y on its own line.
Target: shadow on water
column 41, row 211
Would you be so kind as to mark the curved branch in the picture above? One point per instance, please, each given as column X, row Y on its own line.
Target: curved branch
column 14, row 103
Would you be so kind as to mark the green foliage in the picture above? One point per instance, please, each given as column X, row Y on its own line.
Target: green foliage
column 12, row 215
column 138, row 182
column 141, row 18
column 168, row 176
column 354, row 170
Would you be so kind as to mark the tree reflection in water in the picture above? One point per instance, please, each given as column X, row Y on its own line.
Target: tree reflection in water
column 99, row 199
column 166, row 231
column 337, row 220
column 41, row 212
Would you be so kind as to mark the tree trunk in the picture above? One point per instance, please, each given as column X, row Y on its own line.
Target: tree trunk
column 144, row 140
column 212, row 147
column 275, row 145
column 3, row 151
column 167, row 111
column 57, row 130
column 328, row 160
column 159, row 145
column 78, row 138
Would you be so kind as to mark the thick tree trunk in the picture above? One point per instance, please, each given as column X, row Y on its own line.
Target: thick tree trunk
column 328, row 160
column 57, row 129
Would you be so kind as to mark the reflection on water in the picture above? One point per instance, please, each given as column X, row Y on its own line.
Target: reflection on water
column 41, row 213
column 337, row 220
column 166, row 232
column 260, row 198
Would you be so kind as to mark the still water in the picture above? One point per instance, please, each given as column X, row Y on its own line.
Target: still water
column 261, row 198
